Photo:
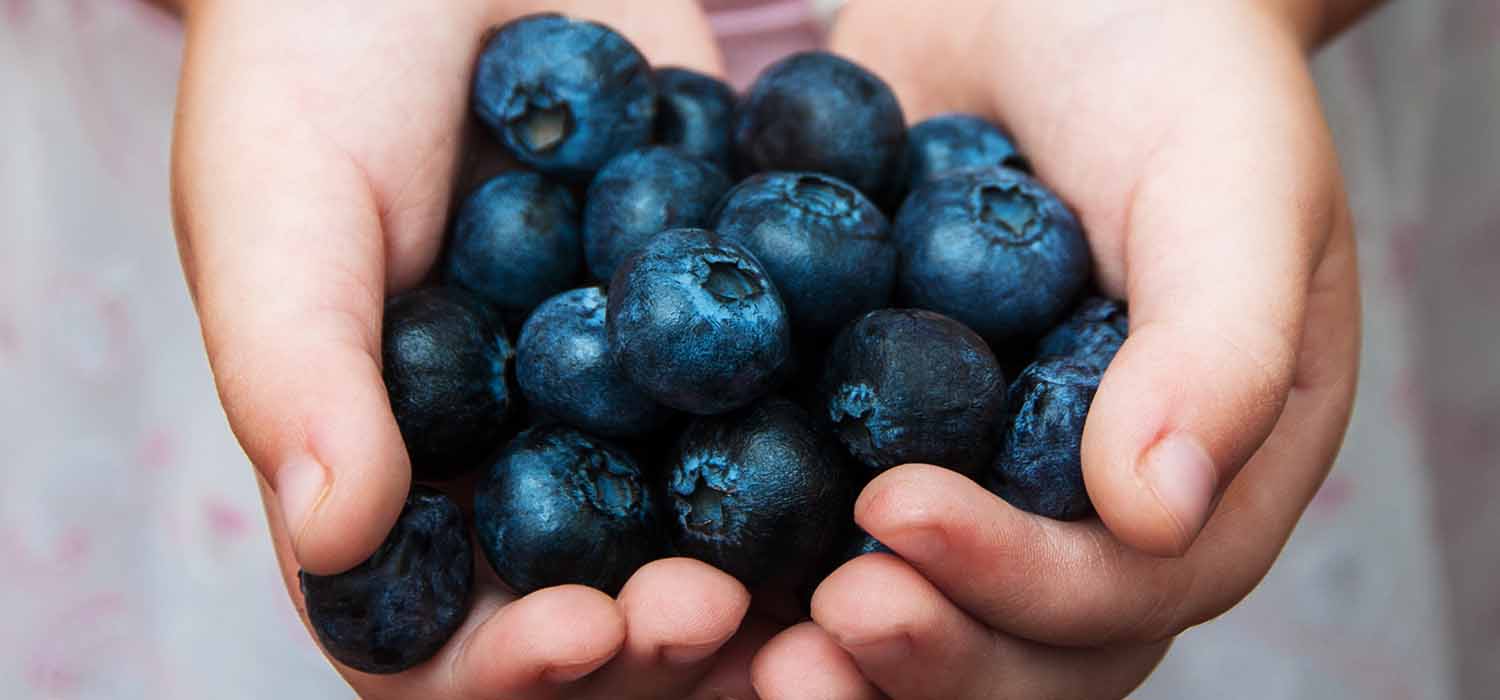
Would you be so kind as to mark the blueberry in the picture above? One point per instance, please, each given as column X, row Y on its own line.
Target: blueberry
column 515, row 242
column 564, row 96
column 827, row 248
column 694, row 114
column 815, row 111
column 696, row 323
column 760, row 494
column 950, row 142
column 906, row 386
column 558, row 506
column 641, row 194
column 446, row 362
column 1091, row 335
column 992, row 248
column 397, row 608
column 565, row 369
column 1038, row 468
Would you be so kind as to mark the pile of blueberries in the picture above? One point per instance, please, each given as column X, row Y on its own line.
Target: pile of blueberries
column 743, row 354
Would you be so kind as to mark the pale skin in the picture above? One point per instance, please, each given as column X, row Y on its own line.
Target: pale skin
column 316, row 154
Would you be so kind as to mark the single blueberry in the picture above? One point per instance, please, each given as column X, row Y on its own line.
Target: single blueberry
column 760, row 494
column 1038, row 468
column 695, row 322
column 566, row 372
column 950, row 142
column 558, row 506
column 817, row 112
column 992, row 248
column 906, row 386
column 446, row 363
column 1092, row 334
column 564, row 96
column 827, row 248
column 641, row 194
column 694, row 114
column 397, row 608
column 515, row 242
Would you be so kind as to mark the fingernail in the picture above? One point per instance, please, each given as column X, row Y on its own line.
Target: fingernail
column 570, row 673
column 918, row 543
column 299, row 486
column 881, row 650
column 1183, row 477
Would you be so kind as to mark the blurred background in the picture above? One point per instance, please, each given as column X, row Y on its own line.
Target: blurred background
column 132, row 543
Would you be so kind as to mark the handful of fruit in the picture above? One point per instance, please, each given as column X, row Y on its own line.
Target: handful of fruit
column 740, row 358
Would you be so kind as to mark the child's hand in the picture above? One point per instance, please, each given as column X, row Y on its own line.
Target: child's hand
column 1188, row 136
column 316, row 150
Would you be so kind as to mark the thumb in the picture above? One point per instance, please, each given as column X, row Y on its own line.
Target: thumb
column 1224, row 230
column 281, row 243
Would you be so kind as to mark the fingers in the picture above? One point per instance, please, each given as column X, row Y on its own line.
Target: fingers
column 730, row 677
column 913, row 643
column 1075, row 583
column 538, row 645
column 678, row 613
column 805, row 663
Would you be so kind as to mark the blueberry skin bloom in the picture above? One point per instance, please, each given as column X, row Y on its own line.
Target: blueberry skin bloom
column 397, row 608
column 694, row 321
column 641, row 194
column 992, row 248
column 446, row 362
column 817, row 112
column 515, row 241
column 564, row 96
column 558, row 506
column 904, row 386
column 760, row 493
column 694, row 114
column 827, row 248
column 565, row 369
column 1038, row 468
column 1092, row 334
column 950, row 142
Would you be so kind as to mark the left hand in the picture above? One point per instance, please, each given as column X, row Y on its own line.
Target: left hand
column 1190, row 140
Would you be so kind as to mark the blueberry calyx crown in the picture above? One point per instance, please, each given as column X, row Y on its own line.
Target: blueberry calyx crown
column 728, row 279
column 538, row 121
column 705, row 502
column 1011, row 211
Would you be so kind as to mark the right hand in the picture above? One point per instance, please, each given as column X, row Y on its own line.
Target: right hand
column 316, row 152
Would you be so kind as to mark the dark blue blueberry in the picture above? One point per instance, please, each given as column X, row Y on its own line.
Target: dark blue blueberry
column 695, row 322
column 397, row 608
column 560, row 507
column 515, row 242
column 817, row 112
column 760, row 494
column 563, row 95
column 1038, row 468
column 904, row 386
column 641, row 194
column 694, row 114
column 446, row 362
column 826, row 247
column 992, row 248
column 1091, row 335
column 863, row 543
column 565, row 369
column 950, row 142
